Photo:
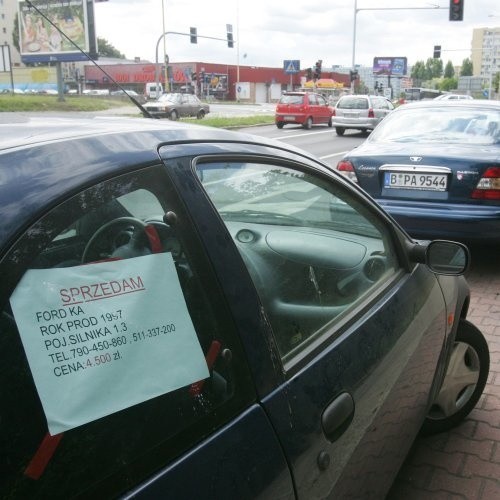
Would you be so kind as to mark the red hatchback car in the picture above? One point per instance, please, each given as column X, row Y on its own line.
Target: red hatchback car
column 304, row 108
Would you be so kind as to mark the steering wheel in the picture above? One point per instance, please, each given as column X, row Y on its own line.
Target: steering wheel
column 121, row 238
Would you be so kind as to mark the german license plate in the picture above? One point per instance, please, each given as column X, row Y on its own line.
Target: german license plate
column 407, row 180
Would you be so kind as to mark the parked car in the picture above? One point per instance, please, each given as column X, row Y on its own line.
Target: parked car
column 446, row 97
column 434, row 165
column 174, row 106
column 360, row 112
column 189, row 312
column 303, row 108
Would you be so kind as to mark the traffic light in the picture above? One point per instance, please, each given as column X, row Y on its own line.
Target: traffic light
column 309, row 74
column 437, row 51
column 317, row 69
column 230, row 40
column 194, row 35
column 456, row 10
column 353, row 75
column 194, row 76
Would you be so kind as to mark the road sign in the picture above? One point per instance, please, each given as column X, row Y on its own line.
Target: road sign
column 291, row 66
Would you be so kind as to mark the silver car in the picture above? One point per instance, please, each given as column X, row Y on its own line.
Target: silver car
column 361, row 112
column 174, row 106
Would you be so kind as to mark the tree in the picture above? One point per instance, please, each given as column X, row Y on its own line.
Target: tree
column 449, row 70
column 15, row 33
column 105, row 49
column 496, row 81
column 448, row 84
column 467, row 68
column 434, row 68
column 419, row 72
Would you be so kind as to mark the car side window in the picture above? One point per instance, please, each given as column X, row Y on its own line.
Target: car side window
column 314, row 252
column 313, row 100
column 111, row 343
column 322, row 101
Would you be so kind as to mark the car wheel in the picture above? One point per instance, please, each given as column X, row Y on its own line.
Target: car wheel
column 200, row 115
column 280, row 124
column 330, row 122
column 308, row 124
column 464, row 381
column 340, row 130
column 174, row 115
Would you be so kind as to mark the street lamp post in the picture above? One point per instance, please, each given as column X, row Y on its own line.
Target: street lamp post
column 237, row 51
column 164, row 50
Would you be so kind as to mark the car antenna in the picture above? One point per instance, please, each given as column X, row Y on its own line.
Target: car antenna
column 143, row 110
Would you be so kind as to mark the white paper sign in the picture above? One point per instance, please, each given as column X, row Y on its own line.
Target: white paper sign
column 106, row 336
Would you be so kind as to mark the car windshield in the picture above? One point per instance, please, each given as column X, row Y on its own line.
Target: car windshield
column 255, row 193
column 440, row 125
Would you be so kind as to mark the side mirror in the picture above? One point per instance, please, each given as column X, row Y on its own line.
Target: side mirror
column 442, row 257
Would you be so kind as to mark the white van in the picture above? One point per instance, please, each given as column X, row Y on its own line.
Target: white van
column 150, row 91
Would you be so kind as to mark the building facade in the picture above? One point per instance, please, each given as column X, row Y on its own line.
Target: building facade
column 8, row 11
column 220, row 81
column 485, row 52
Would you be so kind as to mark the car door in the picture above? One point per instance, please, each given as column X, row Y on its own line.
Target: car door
column 358, row 332
column 121, row 367
column 324, row 111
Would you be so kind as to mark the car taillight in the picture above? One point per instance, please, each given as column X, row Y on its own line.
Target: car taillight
column 371, row 114
column 345, row 167
column 488, row 187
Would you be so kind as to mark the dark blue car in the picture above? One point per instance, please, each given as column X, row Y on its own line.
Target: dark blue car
column 194, row 313
column 435, row 167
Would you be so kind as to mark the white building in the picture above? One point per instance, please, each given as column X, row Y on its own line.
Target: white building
column 8, row 11
column 485, row 52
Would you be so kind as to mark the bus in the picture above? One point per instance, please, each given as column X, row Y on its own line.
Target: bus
column 419, row 94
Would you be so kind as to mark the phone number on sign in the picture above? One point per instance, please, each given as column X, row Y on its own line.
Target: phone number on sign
column 99, row 346
column 150, row 333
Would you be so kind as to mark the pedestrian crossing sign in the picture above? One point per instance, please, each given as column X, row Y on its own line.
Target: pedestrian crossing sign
column 291, row 66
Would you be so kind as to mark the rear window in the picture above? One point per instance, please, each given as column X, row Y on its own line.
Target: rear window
column 353, row 103
column 450, row 125
column 292, row 99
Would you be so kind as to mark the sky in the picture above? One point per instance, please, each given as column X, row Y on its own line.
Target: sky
column 268, row 32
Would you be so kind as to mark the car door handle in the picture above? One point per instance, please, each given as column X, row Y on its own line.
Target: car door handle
column 337, row 416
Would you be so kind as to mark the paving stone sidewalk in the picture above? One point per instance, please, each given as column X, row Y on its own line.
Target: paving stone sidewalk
column 465, row 462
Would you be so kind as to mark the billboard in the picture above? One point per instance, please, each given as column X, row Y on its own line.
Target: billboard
column 390, row 66
column 40, row 27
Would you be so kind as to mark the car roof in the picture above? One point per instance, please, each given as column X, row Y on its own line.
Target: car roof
column 362, row 95
column 24, row 131
column 453, row 103
column 43, row 160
